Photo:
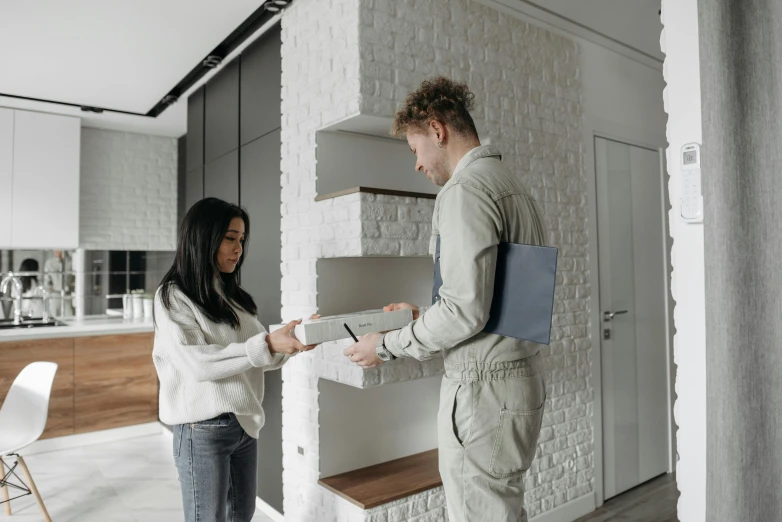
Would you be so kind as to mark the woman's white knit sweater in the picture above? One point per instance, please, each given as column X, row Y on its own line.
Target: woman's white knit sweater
column 207, row 369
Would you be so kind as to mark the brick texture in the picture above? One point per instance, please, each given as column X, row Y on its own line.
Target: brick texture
column 128, row 194
column 342, row 58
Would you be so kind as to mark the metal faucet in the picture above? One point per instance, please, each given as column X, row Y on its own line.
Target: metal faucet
column 11, row 278
column 45, row 295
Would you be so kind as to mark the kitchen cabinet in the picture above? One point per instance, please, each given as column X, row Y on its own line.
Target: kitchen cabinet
column 260, row 182
column 6, row 174
column 44, row 186
column 102, row 382
column 115, row 382
column 260, row 90
column 221, row 113
column 15, row 355
column 194, row 186
column 194, row 145
column 221, row 178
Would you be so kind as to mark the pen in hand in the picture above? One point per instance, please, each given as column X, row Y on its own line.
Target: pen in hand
column 350, row 331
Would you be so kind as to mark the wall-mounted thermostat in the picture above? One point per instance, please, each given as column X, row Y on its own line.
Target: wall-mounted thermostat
column 691, row 196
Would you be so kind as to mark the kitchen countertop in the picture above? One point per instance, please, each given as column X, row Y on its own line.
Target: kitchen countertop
column 80, row 327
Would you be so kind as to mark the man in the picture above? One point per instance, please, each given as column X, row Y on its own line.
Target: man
column 492, row 395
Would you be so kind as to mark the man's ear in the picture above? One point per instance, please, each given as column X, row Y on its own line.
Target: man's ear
column 440, row 130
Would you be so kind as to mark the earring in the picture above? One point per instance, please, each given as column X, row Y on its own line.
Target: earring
column 440, row 144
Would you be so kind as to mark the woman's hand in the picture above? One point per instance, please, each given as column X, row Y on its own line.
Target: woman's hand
column 284, row 341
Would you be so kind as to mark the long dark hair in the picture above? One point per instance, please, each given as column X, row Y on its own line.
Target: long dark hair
column 195, row 270
column 28, row 265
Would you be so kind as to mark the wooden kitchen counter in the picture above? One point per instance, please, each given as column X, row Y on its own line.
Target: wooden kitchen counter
column 102, row 382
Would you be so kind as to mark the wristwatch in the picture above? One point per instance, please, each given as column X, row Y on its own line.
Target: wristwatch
column 382, row 352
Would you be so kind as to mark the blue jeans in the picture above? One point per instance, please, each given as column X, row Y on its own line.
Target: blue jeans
column 217, row 464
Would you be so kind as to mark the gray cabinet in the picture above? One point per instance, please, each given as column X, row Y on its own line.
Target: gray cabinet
column 194, row 147
column 233, row 143
column 221, row 113
column 260, row 182
column 260, row 90
column 221, row 178
column 194, row 187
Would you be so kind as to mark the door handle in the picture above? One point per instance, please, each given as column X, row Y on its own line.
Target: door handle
column 607, row 316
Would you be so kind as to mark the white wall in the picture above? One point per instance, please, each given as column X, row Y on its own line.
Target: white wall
column 623, row 94
column 623, row 101
column 619, row 19
column 359, row 428
column 320, row 86
column 539, row 104
column 683, row 105
column 128, row 198
column 527, row 82
column 345, row 285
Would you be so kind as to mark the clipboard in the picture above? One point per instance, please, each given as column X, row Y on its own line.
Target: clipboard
column 523, row 303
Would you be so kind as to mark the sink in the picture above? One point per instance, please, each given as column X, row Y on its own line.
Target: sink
column 8, row 324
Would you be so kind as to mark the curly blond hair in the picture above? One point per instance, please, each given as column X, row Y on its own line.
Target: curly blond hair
column 440, row 99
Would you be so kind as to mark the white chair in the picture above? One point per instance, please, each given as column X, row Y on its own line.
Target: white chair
column 22, row 420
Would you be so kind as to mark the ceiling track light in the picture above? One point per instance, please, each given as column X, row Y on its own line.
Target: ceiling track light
column 275, row 6
column 86, row 108
column 170, row 99
column 212, row 61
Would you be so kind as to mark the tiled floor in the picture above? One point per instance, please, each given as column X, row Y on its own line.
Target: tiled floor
column 133, row 480
column 654, row 501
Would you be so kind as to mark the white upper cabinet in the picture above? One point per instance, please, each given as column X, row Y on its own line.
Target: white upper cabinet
column 44, row 184
column 6, row 175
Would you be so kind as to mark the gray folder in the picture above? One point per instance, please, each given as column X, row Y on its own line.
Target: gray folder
column 523, row 301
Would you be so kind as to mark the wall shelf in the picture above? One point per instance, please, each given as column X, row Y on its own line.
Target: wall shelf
column 382, row 483
column 345, row 160
column 378, row 191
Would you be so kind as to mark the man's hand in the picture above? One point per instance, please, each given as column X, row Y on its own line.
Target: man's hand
column 364, row 352
column 402, row 306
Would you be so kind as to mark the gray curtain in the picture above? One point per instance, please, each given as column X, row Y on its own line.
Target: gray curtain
column 741, row 82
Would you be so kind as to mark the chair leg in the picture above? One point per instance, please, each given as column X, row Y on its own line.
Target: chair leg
column 34, row 489
column 5, row 489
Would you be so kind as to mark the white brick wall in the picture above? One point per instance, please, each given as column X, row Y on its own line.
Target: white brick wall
column 128, row 191
column 428, row 506
column 320, row 86
column 528, row 95
column 345, row 57
column 365, row 224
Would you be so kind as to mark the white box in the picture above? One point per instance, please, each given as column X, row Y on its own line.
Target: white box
column 332, row 328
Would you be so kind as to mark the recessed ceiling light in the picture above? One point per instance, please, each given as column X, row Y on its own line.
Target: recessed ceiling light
column 271, row 7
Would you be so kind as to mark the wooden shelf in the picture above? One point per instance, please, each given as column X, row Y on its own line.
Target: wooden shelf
column 382, row 483
column 370, row 190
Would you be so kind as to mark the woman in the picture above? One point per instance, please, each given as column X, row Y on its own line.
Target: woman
column 210, row 354
column 32, row 305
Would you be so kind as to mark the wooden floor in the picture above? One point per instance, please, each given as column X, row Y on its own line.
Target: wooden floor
column 654, row 501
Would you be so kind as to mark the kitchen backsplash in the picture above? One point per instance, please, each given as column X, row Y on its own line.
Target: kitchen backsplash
column 91, row 277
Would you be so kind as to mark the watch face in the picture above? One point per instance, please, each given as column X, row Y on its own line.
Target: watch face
column 383, row 356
